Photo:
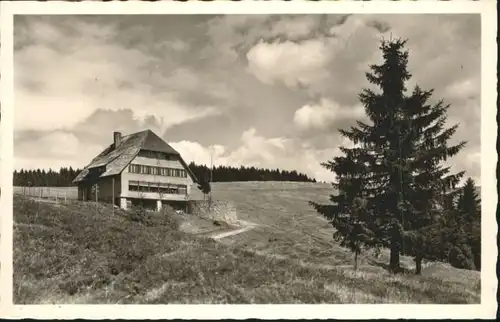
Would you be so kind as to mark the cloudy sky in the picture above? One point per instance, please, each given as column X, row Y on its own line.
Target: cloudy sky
column 268, row 91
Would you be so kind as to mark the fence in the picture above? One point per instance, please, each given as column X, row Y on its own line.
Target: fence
column 51, row 193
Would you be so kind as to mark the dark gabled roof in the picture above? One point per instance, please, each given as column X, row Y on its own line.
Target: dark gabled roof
column 116, row 159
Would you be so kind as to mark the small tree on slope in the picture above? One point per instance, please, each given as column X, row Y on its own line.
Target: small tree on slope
column 399, row 158
column 350, row 211
column 469, row 212
column 205, row 186
column 469, row 204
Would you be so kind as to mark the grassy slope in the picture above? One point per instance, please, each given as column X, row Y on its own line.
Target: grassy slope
column 71, row 254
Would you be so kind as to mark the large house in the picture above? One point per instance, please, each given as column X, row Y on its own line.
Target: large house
column 137, row 169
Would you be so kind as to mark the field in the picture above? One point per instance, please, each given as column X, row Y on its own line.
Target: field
column 76, row 253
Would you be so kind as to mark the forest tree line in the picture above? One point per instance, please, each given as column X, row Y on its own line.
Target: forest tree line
column 233, row 174
column 65, row 176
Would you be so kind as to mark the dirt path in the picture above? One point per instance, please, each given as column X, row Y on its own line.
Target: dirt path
column 231, row 233
column 246, row 226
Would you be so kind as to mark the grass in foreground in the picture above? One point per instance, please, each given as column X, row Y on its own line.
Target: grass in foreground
column 71, row 253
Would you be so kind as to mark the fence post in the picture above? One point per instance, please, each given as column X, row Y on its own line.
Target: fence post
column 65, row 197
column 96, row 200
column 113, row 197
column 57, row 196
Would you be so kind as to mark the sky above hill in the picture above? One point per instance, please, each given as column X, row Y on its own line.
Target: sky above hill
column 267, row 91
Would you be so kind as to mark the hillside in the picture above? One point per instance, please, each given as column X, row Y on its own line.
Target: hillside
column 73, row 253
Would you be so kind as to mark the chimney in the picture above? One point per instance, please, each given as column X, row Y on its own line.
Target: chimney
column 117, row 137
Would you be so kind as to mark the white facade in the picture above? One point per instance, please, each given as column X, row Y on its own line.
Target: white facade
column 130, row 179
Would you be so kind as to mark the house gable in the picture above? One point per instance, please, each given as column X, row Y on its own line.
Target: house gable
column 116, row 159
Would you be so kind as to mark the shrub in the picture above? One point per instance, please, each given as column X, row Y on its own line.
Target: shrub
column 167, row 217
column 461, row 257
column 138, row 214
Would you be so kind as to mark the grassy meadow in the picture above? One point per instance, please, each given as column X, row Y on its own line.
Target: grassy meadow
column 76, row 252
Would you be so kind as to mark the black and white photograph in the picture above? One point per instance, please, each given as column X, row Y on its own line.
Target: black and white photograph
column 263, row 158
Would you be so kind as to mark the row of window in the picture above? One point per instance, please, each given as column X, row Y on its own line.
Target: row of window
column 157, row 187
column 159, row 171
column 157, row 155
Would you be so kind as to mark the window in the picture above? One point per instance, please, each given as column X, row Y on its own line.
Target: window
column 156, row 187
column 147, row 154
column 135, row 168
column 157, row 155
column 151, row 170
column 170, row 157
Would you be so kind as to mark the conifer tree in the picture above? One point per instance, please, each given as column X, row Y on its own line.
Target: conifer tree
column 397, row 160
column 204, row 186
column 469, row 203
column 349, row 212
column 469, row 212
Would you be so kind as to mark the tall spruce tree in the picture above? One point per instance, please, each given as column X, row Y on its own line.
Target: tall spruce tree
column 430, row 183
column 396, row 160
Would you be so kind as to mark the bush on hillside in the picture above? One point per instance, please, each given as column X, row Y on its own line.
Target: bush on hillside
column 138, row 214
column 461, row 257
column 29, row 206
column 166, row 217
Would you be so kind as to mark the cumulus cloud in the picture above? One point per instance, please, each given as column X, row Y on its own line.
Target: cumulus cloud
column 295, row 27
column 290, row 62
column 53, row 149
column 322, row 115
column 60, row 83
column 259, row 151
column 464, row 89
column 195, row 152
column 177, row 45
